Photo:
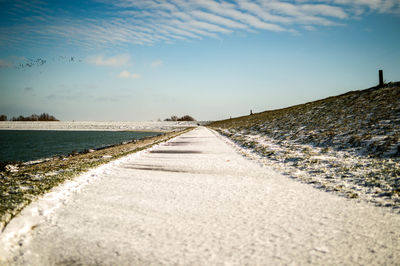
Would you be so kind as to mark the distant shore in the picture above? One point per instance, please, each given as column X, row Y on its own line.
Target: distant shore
column 160, row 126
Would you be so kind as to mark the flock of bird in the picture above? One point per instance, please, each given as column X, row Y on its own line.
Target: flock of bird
column 29, row 63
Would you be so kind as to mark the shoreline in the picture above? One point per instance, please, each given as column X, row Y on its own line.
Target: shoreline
column 86, row 129
column 26, row 183
column 19, row 147
column 157, row 126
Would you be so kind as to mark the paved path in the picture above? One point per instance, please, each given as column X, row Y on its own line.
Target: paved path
column 195, row 201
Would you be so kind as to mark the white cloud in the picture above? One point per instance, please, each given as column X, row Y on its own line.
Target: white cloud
column 152, row 21
column 381, row 6
column 233, row 12
column 218, row 20
column 171, row 31
column 207, row 26
column 263, row 13
column 156, row 63
column 100, row 60
column 126, row 75
column 325, row 10
column 309, row 28
column 190, row 28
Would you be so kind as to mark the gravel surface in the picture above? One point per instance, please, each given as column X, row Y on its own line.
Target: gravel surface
column 195, row 201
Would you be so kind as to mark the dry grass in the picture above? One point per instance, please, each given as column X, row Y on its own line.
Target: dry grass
column 366, row 121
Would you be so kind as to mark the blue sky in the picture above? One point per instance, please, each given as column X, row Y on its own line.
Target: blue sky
column 144, row 60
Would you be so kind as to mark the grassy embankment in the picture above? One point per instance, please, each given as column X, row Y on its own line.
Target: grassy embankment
column 347, row 143
column 19, row 188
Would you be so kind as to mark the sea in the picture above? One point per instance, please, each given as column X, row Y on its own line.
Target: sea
column 30, row 145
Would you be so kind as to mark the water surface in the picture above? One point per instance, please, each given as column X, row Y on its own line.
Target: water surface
column 28, row 145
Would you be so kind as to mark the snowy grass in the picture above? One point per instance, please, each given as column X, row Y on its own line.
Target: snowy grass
column 348, row 143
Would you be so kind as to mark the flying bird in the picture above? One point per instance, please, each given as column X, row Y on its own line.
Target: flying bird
column 29, row 63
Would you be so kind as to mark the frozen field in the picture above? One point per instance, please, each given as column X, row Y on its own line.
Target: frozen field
column 94, row 125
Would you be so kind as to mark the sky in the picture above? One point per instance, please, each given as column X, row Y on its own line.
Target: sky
column 128, row 60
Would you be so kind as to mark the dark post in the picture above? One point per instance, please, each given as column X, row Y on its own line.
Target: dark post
column 380, row 78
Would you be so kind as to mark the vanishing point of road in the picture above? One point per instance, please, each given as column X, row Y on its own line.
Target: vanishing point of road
column 196, row 201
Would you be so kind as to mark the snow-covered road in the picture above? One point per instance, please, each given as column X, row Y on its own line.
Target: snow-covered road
column 196, row 201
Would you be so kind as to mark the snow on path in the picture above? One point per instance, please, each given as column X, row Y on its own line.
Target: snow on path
column 196, row 201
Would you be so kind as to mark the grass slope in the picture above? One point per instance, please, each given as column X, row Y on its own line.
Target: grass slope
column 347, row 143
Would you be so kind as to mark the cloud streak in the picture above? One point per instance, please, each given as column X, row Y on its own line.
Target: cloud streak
column 125, row 74
column 100, row 60
column 152, row 21
column 156, row 63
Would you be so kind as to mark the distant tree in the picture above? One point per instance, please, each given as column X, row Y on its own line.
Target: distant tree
column 34, row 117
column 47, row 117
column 3, row 118
column 173, row 118
column 183, row 118
column 186, row 118
column 44, row 117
